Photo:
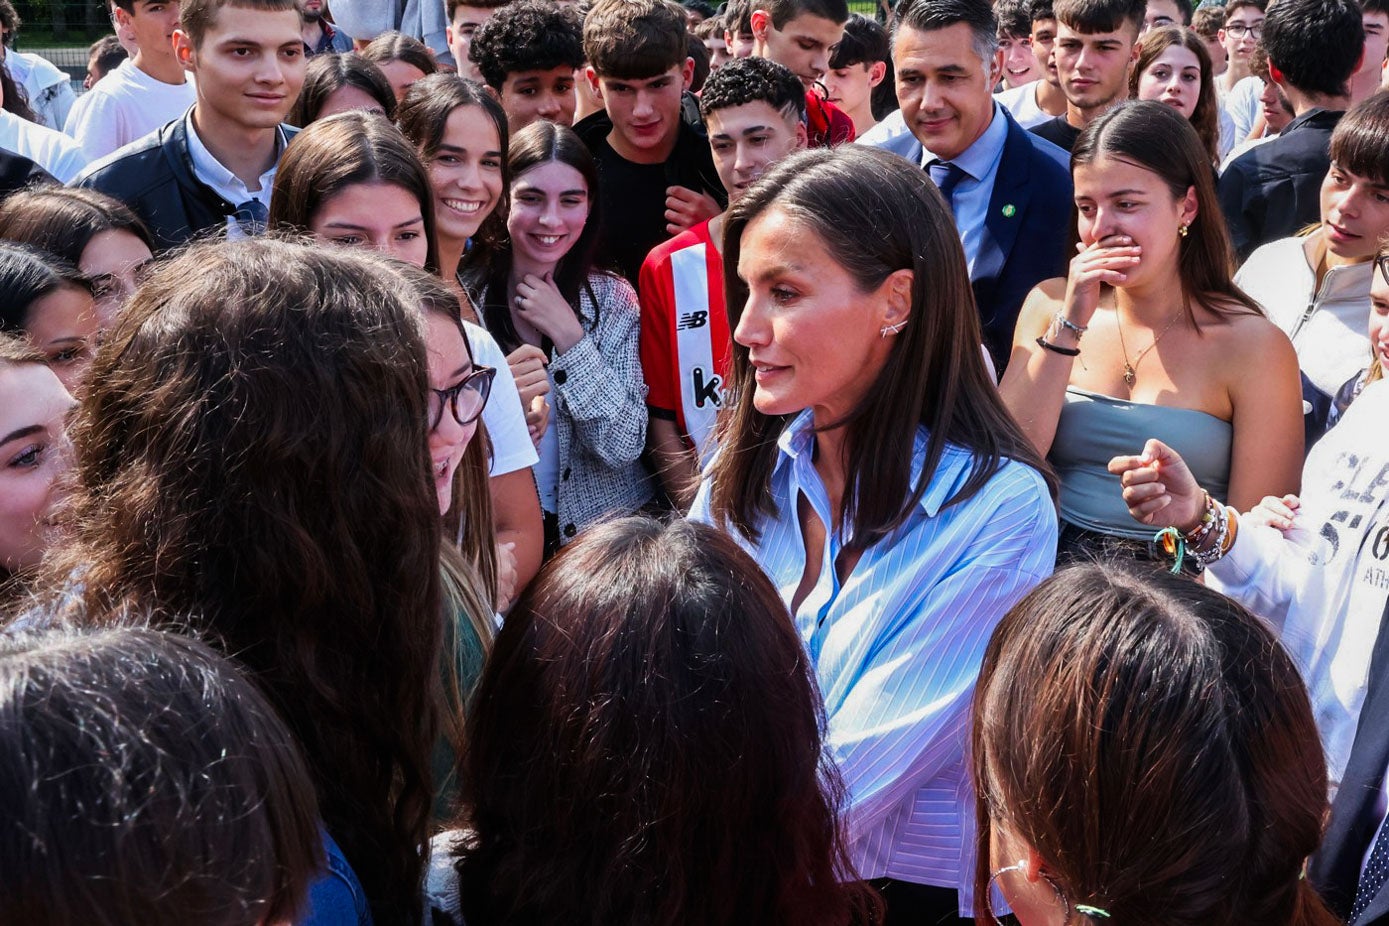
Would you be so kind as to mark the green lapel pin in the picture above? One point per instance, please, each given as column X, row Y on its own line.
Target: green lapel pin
column 1009, row 211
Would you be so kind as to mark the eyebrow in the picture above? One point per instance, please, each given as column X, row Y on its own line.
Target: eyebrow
column 73, row 339
column 352, row 226
column 526, row 188
column 750, row 130
column 22, row 433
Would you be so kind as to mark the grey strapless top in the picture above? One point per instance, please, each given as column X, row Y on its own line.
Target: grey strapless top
column 1095, row 428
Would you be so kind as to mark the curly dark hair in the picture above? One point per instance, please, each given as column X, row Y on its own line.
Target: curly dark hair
column 746, row 80
column 531, row 35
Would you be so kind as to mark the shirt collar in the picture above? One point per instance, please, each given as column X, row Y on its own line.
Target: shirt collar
column 227, row 184
column 980, row 158
column 797, row 441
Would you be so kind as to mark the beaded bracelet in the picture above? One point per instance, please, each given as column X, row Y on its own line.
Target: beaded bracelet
column 1064, row 322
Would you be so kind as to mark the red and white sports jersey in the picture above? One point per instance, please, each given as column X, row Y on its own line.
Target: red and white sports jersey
column 686, row 347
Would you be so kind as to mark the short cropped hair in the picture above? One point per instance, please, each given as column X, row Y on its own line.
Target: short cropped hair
column 1316, row 44
column 1372, row 7
column 1234, row 6
column 529, row 35
column 196, row 17
column 737, row 17
column 929, row 15
column 1014, row 18
column 451, row 7
column 1357, row 144
column 749, row 80
column 108, row 53
column 865, row 41
column 1184, row 11
column 783, row 11
column 1207, row 22
column 635, row 39
column 1090, row 16
column 1040, row 10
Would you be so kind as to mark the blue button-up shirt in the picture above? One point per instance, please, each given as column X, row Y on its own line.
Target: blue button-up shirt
column 972, row 194
column 896, row 648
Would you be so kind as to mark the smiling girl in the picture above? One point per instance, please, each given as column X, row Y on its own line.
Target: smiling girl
column 1170, row 346
column 541, row 291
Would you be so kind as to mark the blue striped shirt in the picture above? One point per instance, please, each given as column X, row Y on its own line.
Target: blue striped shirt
column 897, row 647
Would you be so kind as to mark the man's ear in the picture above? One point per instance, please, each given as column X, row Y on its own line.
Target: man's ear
column 802, row 136
column 687, row 74
column 761, row 22
column 591, row 76
column 183, row 49
column 877, row 73
column 996, row 69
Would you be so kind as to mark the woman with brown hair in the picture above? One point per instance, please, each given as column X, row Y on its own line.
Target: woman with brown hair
column 871, row 469
column 645, row 750
column 354, row 180
column 1144, row 753
column 100, row 236
column 45, row 300
column 338, row 83
column 403, row 59
column 146, row 781
column 252, row 458
column 1171, row 347
column 1174, row 68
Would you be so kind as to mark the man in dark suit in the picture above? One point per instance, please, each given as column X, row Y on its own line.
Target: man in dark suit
column 1010, row 191
column 1351, row 870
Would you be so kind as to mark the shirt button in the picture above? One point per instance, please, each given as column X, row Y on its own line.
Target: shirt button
column 560, row 377
column 570, row 530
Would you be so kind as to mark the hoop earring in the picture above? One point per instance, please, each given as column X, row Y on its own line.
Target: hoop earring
column 886, row 330
column 1182, row 230
column 1060, row 894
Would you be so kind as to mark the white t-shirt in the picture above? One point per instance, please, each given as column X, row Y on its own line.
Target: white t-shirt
column 1243, row 106
column 48, row 148
column 506, row 421
column 1021, row 103
column 126, row 105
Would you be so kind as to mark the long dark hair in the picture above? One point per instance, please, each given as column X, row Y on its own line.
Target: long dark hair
column 422, row 116
column 1156, row 137
column 646, row 747
column 143, row 780
column 1205, row 118
column 876, row 217
column 345, row 150
column 27, row 274
column 327, row 74
column 252, row 452
column 1155, row 745
column 540, row 143
column 16, row 100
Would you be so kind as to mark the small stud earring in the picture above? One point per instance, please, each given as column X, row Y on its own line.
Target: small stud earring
column 891, row 329
column 1182, row 230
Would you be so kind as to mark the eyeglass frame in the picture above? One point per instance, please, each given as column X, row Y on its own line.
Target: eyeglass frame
column 1238, row 30
column 1382, row 265
column 449, row 397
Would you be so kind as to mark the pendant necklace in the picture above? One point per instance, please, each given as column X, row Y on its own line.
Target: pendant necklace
column 1131, row 369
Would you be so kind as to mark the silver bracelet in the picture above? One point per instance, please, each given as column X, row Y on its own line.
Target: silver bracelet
column 1069, row 325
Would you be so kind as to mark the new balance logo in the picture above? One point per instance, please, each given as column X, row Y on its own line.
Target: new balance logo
column 692, row 320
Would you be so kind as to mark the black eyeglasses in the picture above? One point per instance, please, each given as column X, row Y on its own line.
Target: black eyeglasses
column 1239, row 29
column 467, row 397
column 1382, row 263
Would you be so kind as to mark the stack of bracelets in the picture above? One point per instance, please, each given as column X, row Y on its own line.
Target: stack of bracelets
column 1208, row 541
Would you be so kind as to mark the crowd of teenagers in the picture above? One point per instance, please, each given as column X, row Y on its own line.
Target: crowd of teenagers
column 518, row 464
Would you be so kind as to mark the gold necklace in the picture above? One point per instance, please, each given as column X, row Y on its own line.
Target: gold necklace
column 1131, row 369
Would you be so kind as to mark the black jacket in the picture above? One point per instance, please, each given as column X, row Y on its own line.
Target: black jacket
column 18, row 172
column 154, row 177
column 1272, row 191
column 1335, row 869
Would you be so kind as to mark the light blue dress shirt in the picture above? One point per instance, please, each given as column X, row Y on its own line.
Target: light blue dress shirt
column 897, row 647
column 972, row 194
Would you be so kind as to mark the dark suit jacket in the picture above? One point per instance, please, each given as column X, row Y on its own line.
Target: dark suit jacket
column 154, row 177
column 1335, row 869
column 1272, row 191
column 1028, row 228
